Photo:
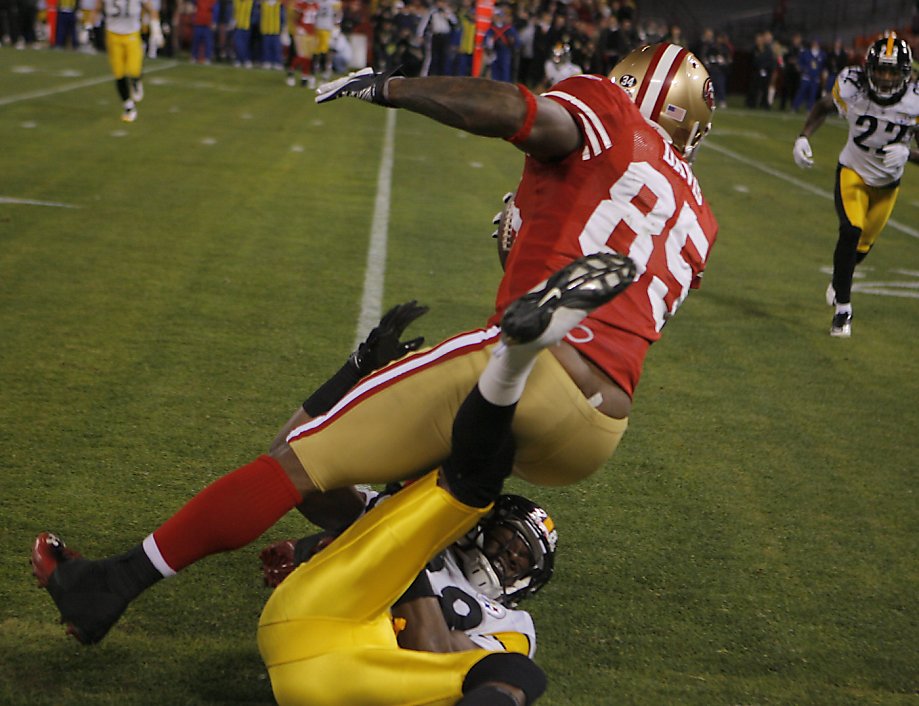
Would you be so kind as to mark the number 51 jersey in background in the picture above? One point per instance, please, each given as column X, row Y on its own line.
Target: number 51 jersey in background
column 627, row 191
column 873, row 127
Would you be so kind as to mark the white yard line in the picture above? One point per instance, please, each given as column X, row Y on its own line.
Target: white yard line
column 32, row 202
column 372, row 299
column 709, row 144
column 76, row 85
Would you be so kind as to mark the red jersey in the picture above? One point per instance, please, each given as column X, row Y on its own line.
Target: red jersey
column 307, row 12
column 627, row 191
column 205, row 13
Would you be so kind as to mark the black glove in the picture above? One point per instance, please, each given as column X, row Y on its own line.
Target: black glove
column 366, row 84
column 382, row 345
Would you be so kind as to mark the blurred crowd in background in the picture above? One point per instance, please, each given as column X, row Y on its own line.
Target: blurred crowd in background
column 534, row 42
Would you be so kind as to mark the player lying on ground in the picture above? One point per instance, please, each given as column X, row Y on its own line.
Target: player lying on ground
column 476, row 583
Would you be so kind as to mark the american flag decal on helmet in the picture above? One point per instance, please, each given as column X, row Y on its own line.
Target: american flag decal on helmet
column 658, row 79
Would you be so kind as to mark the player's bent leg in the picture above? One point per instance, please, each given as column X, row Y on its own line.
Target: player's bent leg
column 397, row 422
column 376, row 558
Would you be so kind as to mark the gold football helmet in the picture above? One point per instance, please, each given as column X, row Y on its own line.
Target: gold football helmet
column 672, row 89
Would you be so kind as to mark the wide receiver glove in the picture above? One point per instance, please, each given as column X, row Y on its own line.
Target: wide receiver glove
column 382, row 344
column 804, row 158
column 896, row 155
column 366, row 84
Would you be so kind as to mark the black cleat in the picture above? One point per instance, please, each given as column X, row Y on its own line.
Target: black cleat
column 89, row 605
column 582, row 286
column 82, row 589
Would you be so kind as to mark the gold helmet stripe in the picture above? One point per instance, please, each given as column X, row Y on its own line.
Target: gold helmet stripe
column 663, row 68
column 890, row 40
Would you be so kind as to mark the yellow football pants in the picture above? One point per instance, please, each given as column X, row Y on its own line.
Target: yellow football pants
column 125, row 54
column 867, row 208
column 326, row 633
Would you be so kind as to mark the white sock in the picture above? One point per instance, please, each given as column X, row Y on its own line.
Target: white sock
column 844, row 308
column 505, row 376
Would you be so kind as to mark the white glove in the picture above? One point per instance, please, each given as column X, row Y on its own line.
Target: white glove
column 895, row 156
column 804, row 158
column 156, row 35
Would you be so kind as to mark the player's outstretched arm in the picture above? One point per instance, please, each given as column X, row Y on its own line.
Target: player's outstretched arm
column 538, row 126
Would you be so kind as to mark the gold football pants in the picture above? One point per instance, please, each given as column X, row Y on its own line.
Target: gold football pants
column 398, row 422
column 867, row 208
column 326, row 633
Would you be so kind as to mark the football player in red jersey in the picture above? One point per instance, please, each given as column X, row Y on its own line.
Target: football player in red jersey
column 607, row 171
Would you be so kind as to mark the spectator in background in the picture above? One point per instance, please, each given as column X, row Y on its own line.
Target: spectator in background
column 652, row 32
column 272, row 21
column 434, row 31
column 625, row 39
column 66, row 30
column 675, row 36
column 606, row 47
column 542, row 48
column 204, row 23
column 385, row 45
column 24, row 13
column 242, row 33
column 836, row 61
column 763, row 65
column 462, row 63
column 791, row 72
column 525, row 24
column 716, row 57
column 812, row 62
column 501, row 42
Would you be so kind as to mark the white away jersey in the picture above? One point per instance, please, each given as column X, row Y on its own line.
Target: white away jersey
column 872, row 127
column 488, row 624
column 122, row 16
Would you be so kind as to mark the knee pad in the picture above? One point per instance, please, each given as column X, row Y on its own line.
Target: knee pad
column 509, row 668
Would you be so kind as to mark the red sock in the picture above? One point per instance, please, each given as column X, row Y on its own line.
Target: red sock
column 228, row 514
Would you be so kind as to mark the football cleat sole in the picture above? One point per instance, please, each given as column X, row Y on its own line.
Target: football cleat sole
column 583, row 285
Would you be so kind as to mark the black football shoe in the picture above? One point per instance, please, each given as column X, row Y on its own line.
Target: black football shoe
column 90, row 595
column 551, row 309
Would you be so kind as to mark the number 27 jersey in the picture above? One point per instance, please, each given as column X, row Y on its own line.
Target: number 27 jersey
column 625, row 191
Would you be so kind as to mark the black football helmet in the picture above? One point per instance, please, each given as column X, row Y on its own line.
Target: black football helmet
column 888, row 65
column 484, row 570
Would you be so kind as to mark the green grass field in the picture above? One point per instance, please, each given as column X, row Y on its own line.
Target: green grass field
column 755, row 540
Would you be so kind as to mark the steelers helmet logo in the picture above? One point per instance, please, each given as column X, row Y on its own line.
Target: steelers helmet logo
column 708, row 94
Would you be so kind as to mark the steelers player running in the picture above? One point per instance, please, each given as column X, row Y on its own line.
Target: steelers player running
column 881, row 105
column 124, row 47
